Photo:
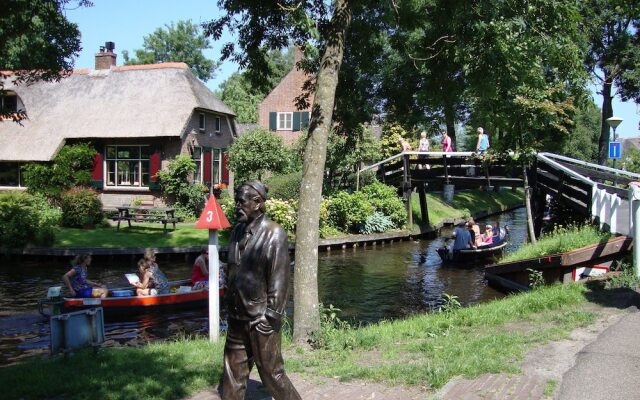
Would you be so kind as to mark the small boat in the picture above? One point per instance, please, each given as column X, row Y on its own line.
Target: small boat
column 480, row 255
column 125, row 301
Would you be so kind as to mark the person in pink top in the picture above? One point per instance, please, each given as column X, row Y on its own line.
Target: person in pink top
column 446, row 142
column 200, row 271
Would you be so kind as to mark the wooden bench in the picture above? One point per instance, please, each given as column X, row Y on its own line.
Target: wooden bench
column 146, row 214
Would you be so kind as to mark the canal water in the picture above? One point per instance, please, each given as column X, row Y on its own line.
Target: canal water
column 368, row 284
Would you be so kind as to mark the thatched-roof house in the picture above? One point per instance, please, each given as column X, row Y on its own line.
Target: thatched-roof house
column 138, row 117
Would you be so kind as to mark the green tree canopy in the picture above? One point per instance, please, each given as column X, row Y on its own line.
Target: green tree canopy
column 37, row 41
column 613, row 54
column 256, row 152
column 181, row 42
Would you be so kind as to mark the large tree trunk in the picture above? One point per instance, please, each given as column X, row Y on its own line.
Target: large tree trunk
column 306, row 318
column 607, row 112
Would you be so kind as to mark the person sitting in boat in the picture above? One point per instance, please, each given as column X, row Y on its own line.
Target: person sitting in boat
column 487, row 236
column 475, row 233
column 462, row 237
column 152, row 280
column 200, row 271
column 76, row 279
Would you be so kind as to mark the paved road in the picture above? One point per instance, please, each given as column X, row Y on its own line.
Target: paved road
column 608, row 368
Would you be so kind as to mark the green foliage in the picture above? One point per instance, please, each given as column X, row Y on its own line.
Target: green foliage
column 80, row 207
column 332, row 330
column 182, row 42
column 582, row 143
column 26, row 218
column 450, row 303
column 257, row 152
column 390, row 140
column 188, row 198
column 536, row 278
column 285, row 186
column 348, row 212
column 283, row 212
column 37, row 41
column 384, row 199
column 228, row 205
column 376, row 223
column 346, row 153
column 626, row 279
column 559, row 240
column 72, row 166
column 631, row 160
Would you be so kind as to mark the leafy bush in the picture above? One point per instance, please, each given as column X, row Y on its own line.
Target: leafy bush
column 80, row 207
column 25, row 218
column 283, row 212
column 257, row 152
column 187, row 198
column 348, row 211
column 285, row 186
column 228, row 205
column 384, row 199
column 72, row 166
column 376, row 223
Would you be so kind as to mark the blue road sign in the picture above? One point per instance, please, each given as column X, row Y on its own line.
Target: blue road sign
column 615, row 150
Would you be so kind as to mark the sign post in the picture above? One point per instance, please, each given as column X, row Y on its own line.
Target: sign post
column 213, row 218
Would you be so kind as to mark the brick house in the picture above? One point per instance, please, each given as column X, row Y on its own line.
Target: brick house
column 278, row 112
column 138, row 117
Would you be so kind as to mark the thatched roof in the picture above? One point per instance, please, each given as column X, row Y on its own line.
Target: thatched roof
column 124, row 102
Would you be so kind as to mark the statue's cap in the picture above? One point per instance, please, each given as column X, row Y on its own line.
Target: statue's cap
column 259, row 187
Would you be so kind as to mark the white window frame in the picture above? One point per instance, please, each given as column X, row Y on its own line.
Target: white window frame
column 282, row 124
column 139, row 160
column 202, row 122
column 218, row 124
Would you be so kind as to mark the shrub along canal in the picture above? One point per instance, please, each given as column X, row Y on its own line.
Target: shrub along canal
column 368, row 284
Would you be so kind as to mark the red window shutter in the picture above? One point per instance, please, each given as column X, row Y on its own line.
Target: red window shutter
column 97, row 173
column 225, row 170
column 207, row 167
column 154, row 166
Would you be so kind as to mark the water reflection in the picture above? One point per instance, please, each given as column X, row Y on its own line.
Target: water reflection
column 383, row 282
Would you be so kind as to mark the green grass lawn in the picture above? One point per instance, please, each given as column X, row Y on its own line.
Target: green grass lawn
column 426, row 350
column 139, row 235
column 465, row 203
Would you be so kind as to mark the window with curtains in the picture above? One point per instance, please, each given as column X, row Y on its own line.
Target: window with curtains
column 127, row 166
column 285, row 121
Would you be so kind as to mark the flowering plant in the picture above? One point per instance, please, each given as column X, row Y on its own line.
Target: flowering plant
column 220, row 186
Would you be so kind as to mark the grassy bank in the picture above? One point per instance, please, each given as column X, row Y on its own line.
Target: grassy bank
column 151, row 235
column 560, row 240
column 424, row 350
column 139, row 235
column 465, row 204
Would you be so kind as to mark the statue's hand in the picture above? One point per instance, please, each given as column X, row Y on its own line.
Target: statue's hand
column 262, row 325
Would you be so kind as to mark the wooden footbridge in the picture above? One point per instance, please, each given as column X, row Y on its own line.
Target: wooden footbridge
column 590, row 190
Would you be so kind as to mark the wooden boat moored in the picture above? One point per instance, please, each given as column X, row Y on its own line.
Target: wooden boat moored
column 178, row 298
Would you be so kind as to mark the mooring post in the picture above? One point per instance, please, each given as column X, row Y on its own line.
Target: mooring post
column 634, row 223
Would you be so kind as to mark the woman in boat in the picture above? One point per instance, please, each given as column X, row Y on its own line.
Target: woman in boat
column 77, row 282
column 200, row 271
column 475, row 232
column 152, row 280
column 487, row 236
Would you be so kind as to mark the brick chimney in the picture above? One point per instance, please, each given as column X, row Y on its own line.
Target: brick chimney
column 106, row 58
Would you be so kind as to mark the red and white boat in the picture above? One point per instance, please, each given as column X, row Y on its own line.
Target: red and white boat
column 125, row 301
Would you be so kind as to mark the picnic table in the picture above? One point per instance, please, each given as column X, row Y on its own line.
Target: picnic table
column 166, row 215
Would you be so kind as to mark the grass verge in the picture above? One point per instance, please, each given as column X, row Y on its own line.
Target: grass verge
column 560, row 240
column 426, row 350
column 465, row 204
column 139, row 235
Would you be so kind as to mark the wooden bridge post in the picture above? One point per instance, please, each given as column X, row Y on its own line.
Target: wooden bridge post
column 446, row 171
column 406, row 189
column 424, row 211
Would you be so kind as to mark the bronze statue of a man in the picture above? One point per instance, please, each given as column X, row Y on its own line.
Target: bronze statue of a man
column 257, row 294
